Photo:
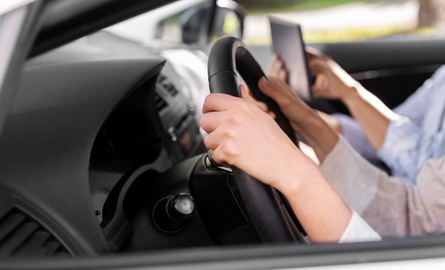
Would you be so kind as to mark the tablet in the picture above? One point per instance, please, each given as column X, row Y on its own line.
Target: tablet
column 289, row 46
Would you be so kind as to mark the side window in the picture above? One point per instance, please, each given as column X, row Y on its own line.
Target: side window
column 346, row 20
column 16, row 20
column 189, row 26
column 180, row 22
column 170, row 30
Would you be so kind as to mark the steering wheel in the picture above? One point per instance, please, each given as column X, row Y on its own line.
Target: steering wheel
column 272, row 221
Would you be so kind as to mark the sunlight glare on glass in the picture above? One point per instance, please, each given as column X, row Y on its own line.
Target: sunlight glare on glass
column 222, row 3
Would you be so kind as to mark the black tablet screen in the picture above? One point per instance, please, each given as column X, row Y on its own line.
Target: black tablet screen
column 289, row 46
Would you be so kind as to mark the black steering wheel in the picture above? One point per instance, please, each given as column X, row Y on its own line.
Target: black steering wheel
column 266, row 208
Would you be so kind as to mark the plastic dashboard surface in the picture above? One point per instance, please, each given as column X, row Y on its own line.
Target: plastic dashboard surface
column 46, row 144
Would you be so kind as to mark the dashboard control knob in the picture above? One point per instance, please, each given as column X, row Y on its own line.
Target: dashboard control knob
column 181, row 207
column 171, row 214
column 191, row 108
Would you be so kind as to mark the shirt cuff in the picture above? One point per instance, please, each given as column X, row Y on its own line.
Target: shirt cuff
column 402, row 135
column 358, row 231
column 354, row 178
column 401, row 129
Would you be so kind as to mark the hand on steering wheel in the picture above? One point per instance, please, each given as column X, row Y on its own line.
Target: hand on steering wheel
column 269, row 213
column 242, row 135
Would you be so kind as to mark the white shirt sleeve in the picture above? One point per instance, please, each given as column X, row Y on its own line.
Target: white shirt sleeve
column 358, row 231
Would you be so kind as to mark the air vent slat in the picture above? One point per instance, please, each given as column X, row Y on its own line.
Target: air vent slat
column 51, row 248
column 168, row 86
column 17, row 237
column 160, row 102
column 183, row 119
column 32, row 247
column 9, row 223
column 27, row 238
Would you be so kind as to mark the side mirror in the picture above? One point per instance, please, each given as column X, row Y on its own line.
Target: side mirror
column 193, row 26
column 228, row 20
column 203, row 23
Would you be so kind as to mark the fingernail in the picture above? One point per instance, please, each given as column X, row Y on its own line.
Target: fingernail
column 263, row 80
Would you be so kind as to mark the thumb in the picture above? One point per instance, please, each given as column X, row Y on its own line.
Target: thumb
column 321, row 81
column 266, row 87
column 244, row 94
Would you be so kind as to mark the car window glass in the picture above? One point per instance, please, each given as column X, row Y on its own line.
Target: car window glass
column 182, row 22
column 346, row 20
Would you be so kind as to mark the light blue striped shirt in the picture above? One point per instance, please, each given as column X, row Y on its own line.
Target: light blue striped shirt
column 411, row 140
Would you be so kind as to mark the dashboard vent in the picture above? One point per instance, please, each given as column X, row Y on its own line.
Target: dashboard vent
column 168, row 86
column 160, row 102
column 22, row 236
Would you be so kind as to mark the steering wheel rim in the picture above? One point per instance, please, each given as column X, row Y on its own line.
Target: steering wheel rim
column 262, row 202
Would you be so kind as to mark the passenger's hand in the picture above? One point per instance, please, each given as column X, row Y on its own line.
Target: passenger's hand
column 276, row 68
column 242, row 135
column 332, row 82
column 296, row 110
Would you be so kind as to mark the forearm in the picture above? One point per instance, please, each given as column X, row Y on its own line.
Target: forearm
column 353, row 132
column 370, row 112
column 317, row 134
column 319, row 208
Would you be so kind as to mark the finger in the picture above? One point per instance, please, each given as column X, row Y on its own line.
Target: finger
column 317, row 66
column 213, row 140
column 244, row 94
column 280, row 86
column 274, row 88
column 210, row 121
column 275, row 66
column 272, row 114
column 218, row 102
column 262, row 106
column 278, row 64
column 315, row 92
column 319, row 84
column 282, row 75
column 247, row 88
column 265, row 86
column 319, row 81
column 322, row 81
column 219, row 157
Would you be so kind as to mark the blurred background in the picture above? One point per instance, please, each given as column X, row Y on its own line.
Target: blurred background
column 345, row 20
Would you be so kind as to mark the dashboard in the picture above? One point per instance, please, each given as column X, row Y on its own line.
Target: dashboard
column 138, row 130
column 142, row 125
column 88, row 117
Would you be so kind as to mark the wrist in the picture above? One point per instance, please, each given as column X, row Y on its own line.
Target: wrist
column 320, row 137
column 312, row 125
column 301, row 173
column 302, row 182
column 352, row 93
